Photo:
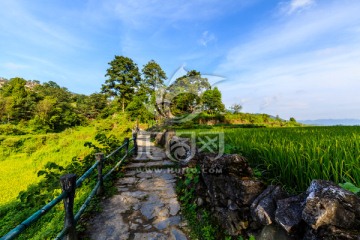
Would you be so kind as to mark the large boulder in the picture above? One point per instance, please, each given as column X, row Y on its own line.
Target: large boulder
column 289, row 213
column 264, row 206
column 273, row 232
column 228, row 164
column 328, row 206
column 181, row 150
column 229, row 188
column 331, row 233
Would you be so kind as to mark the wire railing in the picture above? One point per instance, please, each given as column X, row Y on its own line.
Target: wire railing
column 68, row 184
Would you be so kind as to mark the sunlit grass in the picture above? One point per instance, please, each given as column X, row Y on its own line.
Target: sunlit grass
column 23, row 156
column 295, row 156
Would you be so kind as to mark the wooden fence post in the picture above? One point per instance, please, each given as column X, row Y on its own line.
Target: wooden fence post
column 100, row 158
column 126, row 142
column 68, row 185
column 135, row 143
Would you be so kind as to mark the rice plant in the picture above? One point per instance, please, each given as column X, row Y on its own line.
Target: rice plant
column 295, row 156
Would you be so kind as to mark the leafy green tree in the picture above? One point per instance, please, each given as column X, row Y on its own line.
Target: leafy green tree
column 123, row 79
column 184, row 94
column 55, row 109
column 211, row 100
column 90, row 106
column 96, row 103
column 17, row 101
column 153, row 79
column 154, row 76
column 292, row 120
column 236, row 108
column 138, row 111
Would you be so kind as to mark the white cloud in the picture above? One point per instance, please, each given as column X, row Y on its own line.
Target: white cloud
column 143, row 13
column 297, row 6
column 14, row 66
column 206, row 38
column 305, row 67
column 23, row 23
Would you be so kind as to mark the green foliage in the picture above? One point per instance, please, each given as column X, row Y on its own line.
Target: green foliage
column 211, row 100
column 137, row 110
column 236, row 108
column 295, row 156
column 41, row 171
column 154, row 76
column 185, row 93
column 123, row 78
column 16, row 102
column 43, row 107
column 350, row 187
column 292, row 119
column 202, row 226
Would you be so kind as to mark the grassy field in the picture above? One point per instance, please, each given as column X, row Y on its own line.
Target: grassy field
column 23, row 156
column 295, row 156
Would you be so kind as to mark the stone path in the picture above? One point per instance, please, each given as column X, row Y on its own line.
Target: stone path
column 146, row 205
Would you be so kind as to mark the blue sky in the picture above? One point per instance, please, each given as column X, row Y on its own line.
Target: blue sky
column 294, row 58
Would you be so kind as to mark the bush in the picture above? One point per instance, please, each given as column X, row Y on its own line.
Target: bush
column 10, row 129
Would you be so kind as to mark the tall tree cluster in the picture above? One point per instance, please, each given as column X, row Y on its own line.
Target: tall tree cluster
column 144, row 94
column 47, row 106
column 141, row 94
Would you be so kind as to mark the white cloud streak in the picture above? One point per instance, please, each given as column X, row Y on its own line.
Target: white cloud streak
column 294, row 6
column 305, row 67
column 206, row 38
column 143, row 13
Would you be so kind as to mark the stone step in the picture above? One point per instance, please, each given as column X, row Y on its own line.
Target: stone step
column 151, row 164
column 149, row 157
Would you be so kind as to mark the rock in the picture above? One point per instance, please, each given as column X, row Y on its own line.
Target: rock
column 199, row 201
column 151, row 209
column 225, row 184
column 229, row 164
column 329, row 205
column 273, row 232
column 150, row 236
column 164, row 223
column 230, row 220
column 176, row 234
column 164, row 137
column 221, row 188
column 181, row 150
column 331, row 232
column 289, row 213
column 174, row 206
column 264, row 206
column 160, row 138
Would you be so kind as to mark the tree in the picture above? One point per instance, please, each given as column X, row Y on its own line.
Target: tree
column 138, row 111
column 236, row 108
column 211, row 100
column 123, row 79
column 184, row 94
column 154, row 76
column 56, row 108
column 17, row 101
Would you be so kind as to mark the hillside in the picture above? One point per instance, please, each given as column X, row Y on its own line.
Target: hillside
column 331, row 122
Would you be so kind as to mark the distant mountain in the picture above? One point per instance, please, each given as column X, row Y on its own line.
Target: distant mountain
column 331, row 122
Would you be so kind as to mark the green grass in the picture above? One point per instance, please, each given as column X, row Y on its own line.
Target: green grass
column 21, row 157
column 295, row 156
column 25, row 155
column 19, row 164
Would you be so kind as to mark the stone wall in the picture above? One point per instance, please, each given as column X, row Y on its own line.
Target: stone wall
column 245, row 205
